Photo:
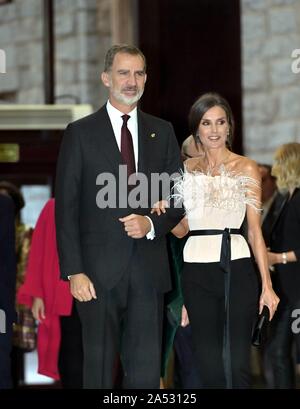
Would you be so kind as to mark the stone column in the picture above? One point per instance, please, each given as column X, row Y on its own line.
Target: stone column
column 122, row 21
column 271, row 90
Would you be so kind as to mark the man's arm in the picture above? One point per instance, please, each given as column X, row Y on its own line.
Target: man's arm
column 67, row 198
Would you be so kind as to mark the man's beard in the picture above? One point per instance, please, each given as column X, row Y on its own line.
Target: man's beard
column 123, row 99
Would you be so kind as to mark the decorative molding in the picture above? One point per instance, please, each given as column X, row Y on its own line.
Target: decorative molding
column 38, row 117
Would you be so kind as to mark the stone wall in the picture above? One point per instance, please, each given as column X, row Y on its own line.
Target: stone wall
column 271, row 90
column 83, row 34
column 84, row 30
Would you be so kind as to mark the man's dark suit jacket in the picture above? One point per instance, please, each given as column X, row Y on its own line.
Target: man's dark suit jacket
column 272, row 216
column 93, row 240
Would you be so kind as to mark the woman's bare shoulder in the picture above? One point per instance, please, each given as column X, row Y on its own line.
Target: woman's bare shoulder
column 245, row 165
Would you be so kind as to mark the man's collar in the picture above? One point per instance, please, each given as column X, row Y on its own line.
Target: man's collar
column 115, row 112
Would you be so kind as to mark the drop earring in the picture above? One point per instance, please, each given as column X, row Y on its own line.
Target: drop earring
column 228, row 140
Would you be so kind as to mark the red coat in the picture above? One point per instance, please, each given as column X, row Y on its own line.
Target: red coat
column 43, row 280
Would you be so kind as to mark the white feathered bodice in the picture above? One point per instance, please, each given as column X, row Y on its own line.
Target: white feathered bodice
column 214, row 202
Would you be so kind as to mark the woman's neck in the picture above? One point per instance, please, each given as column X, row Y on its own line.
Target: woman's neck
column 215, row 158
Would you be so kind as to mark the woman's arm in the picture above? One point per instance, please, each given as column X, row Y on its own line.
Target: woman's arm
column 38, row 308
column 258, row 246
column 255, row 237
column 181, row 229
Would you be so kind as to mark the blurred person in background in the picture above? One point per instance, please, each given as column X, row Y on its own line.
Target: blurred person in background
column 21, row 342
column 284, row 256
column 59, row 340
column 7, row 287
column 271, row 200
column 190, row 148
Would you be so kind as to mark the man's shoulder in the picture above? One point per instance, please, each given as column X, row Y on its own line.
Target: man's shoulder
column 153, row 119
column 89, row 119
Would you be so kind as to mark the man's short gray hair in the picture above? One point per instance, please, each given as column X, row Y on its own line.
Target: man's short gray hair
column 121, row 48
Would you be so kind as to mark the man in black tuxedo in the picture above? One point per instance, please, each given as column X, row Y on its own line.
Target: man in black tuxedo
column 114, row 253
column 7, row 287
column 272, row 201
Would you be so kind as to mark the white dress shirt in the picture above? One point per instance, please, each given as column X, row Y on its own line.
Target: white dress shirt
column 116, row 120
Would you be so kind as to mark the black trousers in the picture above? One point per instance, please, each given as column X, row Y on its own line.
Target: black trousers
column 125, row 321
column 203, row 289
column 70, row 362
column 186, row 372
column 17, row 366
column 278, row 356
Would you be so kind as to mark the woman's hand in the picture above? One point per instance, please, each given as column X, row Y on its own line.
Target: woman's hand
column 184, row 317
column 270, row 299
column 160, row 207
column 38, row 309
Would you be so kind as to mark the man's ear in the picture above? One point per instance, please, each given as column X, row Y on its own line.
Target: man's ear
column 105, row 78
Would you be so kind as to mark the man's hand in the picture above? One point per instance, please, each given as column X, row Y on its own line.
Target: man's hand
column 81, row 287
column 136, row 226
